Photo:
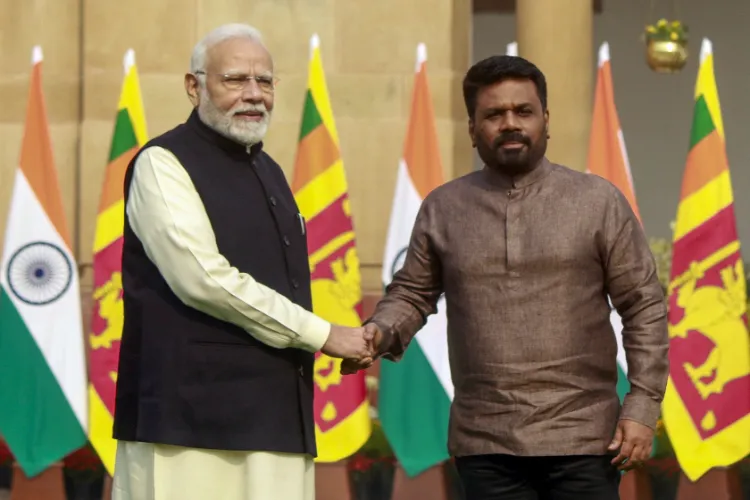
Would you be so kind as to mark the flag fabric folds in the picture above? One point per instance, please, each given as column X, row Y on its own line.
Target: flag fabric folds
column 107, row 316
column 608, row 158
column 706, row 408
column 319, row 184
column 42, row 351
column 415, row 394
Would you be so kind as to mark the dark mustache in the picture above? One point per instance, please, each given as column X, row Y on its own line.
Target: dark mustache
column 511, row 137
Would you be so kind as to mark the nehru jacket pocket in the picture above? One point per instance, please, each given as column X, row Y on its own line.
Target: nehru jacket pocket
column 212, row 363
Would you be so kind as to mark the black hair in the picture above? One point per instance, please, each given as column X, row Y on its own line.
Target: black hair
column 495, row 69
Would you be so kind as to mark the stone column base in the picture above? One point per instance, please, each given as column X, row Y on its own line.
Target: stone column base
column 716, row 484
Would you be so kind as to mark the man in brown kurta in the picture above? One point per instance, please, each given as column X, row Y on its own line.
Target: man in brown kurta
column 527, row 253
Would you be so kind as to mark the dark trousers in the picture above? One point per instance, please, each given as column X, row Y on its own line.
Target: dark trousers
column 505, row 477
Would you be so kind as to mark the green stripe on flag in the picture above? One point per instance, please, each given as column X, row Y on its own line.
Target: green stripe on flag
column 310, row 116
column 623, row 386
column 703, row 125
column 36, row 419
column 414, row 410
column 124, row 138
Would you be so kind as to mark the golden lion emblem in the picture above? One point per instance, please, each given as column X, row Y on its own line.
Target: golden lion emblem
column 717, row 312
column 335, row 300
column 111, row 310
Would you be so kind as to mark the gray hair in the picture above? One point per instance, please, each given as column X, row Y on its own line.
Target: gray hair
column 218, row 35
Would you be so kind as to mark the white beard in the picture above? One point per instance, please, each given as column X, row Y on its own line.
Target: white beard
column 244, row 132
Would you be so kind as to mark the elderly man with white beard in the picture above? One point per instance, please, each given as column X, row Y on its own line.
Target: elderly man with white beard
column 214, row 389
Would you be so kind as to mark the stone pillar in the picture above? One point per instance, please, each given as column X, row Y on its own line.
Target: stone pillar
column 557, row 36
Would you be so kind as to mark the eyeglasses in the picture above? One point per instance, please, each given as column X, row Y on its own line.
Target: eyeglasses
column 266, row 83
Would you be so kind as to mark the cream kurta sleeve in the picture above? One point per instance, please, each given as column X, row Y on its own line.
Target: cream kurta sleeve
column 168, row 216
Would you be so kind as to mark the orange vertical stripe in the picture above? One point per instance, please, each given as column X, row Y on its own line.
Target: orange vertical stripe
column 706, row 161
column 37, row 161
column 112, row 190
column 605, row 157
column 317, row 152
column 421, row 151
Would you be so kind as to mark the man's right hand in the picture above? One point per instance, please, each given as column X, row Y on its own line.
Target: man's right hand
column 346, row 342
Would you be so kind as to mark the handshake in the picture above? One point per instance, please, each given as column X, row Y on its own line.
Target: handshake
column 357, row 346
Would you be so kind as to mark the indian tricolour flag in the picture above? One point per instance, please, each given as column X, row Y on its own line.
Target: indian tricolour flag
column 42, row 363
column 415, row 394
column 608, row 158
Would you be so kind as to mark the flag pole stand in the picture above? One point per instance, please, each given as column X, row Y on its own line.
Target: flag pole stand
column 48, row 485
column 716, row 484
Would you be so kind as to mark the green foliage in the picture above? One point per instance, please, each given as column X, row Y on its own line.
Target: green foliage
column 662, row 250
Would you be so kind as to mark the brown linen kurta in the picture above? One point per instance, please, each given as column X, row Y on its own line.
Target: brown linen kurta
column 526, row 265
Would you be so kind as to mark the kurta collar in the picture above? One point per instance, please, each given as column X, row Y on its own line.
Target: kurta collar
column 502, row 180
column 228, row 145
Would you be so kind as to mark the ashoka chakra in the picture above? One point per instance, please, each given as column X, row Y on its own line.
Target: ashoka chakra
column 39, row 273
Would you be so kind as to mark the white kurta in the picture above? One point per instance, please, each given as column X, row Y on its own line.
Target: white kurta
column 168, row 216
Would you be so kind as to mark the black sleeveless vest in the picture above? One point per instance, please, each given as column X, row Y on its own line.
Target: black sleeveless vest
column 186, row 378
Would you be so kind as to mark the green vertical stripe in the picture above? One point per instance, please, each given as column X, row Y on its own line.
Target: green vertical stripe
column 124, row 138
column 703, row 124
column 310, row 116
column 36, row 419
column 623, row 386
column 414, row 410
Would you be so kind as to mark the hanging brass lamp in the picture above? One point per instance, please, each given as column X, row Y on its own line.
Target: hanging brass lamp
column 666, row 46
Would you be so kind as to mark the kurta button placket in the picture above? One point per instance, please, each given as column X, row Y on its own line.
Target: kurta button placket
column 512, row 234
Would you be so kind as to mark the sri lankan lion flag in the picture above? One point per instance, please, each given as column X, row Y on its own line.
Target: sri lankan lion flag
column 706, row 408
column 107, row 315
column 342, row 421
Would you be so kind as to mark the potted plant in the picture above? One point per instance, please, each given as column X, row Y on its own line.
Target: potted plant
column 6, row 465
column 84, row 474
column 372, row 468
column 666, row 46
